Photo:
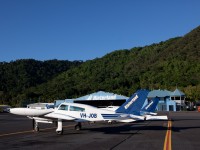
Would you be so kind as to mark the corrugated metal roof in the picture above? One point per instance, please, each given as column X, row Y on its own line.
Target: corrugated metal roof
column 159, row 93
column 101, row 95
column 165, row 93
column 177, row 92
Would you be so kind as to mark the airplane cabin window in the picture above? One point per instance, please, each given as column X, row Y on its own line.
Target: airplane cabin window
column 63, row 107
column 74, row 108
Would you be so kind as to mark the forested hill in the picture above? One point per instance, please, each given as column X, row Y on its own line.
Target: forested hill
column 17, row 76
column 175, row 62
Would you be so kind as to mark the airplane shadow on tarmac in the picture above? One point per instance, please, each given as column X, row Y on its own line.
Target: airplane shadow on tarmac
column 184, row 127
column 128, row 128
column 122, row 128
column 179, row 129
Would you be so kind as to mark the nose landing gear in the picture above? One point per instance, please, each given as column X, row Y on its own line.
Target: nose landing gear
column 35, row 125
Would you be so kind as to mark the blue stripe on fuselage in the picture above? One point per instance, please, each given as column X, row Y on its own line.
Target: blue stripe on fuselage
column 110, row 116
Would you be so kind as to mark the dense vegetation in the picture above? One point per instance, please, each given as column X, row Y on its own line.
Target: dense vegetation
column 175, row 62
column 17, row 76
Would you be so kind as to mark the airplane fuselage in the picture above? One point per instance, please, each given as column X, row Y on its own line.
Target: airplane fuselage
column 81, row 113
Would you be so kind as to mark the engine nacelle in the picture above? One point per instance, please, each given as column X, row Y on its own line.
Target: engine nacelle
column 29, row 111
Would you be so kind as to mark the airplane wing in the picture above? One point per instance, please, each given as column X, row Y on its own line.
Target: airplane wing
column 59, row 116
column 129, row 118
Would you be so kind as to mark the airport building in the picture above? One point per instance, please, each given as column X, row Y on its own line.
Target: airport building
column 169, row 101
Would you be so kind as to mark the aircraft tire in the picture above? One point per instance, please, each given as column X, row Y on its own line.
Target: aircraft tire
column 59, row 132
column 36, row 129
column 110, row 122
column 77, row 127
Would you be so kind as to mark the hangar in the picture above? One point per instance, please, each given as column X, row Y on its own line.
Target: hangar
column 98, row 99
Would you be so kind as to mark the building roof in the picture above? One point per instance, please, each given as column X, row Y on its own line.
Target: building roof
column 101, row 95
column 159, row 93
column 165, row 93
column 177, row 92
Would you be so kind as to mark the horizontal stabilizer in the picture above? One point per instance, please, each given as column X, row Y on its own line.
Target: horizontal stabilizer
column 152, row 113
column 126, row 120
column 156, row 118
column 148, row 113
column 135, row 117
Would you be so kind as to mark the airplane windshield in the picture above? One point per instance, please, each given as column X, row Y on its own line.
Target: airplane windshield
column 74, row 108
column 63, row 107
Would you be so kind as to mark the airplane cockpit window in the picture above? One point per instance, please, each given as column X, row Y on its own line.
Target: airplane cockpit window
column 74, row 108
column 63, row 107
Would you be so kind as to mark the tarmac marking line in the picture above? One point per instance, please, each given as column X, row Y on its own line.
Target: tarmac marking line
column 14, row 133
column 168, row 143
column 29, row 131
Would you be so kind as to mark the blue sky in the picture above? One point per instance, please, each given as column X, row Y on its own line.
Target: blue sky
column 87, row 29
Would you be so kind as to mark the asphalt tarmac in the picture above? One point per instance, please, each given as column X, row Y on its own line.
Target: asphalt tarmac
column 182, row 132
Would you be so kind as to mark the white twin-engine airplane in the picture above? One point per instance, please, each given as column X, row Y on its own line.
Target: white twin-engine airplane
column 130, row 111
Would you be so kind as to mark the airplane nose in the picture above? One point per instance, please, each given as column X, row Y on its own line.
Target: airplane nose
column 16, row 111
column 11, row 110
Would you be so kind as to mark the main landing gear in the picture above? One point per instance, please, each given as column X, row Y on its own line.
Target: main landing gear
column 78, row 126
column 59, row 129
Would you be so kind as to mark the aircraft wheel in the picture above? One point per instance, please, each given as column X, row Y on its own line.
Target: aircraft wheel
column 59, row 132
column 77, row 127
column 36, row 129
column 110, row 122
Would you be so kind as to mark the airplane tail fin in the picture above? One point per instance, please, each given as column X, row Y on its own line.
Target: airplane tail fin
column 134, row 104
column 151, row 107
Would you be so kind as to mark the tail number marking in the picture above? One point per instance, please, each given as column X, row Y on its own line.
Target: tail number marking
column 91, row 115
